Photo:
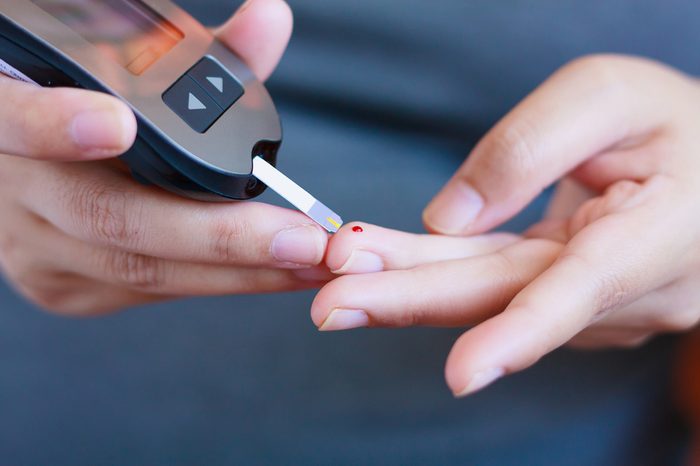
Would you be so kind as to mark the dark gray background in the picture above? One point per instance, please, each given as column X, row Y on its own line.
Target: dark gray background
column 380, row 101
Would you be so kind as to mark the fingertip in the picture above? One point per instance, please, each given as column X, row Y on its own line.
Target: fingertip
column 454, row 210
column 509, row 342
column 480, row 381
column 277, row 12
column 64, row 124
column 321, row 305
column 299, row 246
column 482, row 355
column 345, row 319
column 259, row 32
column 129, row 125
column 344, row 241
column 466, row 372
column 102, row 126
column 339, row 295
column 456, row 368
column 281, row 13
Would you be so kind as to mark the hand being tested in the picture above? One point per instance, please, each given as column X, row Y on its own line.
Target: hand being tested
column 616, row 260
column 83, row 238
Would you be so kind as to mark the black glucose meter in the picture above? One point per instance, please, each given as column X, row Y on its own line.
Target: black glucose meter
column 202, row 115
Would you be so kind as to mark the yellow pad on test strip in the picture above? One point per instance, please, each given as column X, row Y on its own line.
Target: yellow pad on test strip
column 296, row 195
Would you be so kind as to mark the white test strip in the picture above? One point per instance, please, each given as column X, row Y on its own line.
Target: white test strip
column 296, row 195
column 14, row 73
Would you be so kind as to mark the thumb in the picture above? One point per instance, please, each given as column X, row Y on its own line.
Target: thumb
column 62, row 124
column 589, row 106
column 259, row 32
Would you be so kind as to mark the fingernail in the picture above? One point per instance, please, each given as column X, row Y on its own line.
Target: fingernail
column 481, row 380
column 454, row 209
column 302, row 245
column 101, row 131
column 361, row 261
column 345, row 319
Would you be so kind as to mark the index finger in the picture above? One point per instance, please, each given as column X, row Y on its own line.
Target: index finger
column 589, row 106
column 364, row 248
column 62, row 124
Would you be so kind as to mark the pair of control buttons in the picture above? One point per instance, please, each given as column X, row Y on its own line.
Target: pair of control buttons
column 203, row 94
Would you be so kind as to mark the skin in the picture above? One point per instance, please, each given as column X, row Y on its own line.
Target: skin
column 615, row 261
column 85, row 238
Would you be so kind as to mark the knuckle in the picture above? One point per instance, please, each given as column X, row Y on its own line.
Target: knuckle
column 622, row 195
column 623, row 190
column 135, row 270
column 414, row 312
column 612, row 292
column 619, row 197
column 616, row 199
column 609, row 289
column 510, row 280
column 229, row 240
column 103, row 211
column 510, row 151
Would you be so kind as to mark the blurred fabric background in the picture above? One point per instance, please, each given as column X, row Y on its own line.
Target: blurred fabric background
column 381, row 101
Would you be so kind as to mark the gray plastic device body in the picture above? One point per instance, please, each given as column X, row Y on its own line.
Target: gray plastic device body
column 210, row 164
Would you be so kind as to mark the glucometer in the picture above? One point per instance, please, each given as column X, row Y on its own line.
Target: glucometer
column 207, row 128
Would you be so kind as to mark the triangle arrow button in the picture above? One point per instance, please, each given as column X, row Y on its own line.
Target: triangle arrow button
column 195, row 104
column 217, row 82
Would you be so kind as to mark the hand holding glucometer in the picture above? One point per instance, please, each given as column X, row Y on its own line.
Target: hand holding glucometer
column 82, row 238
column 207, row 128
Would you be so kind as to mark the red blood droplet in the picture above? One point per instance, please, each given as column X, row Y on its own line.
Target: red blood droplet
column 357, row 229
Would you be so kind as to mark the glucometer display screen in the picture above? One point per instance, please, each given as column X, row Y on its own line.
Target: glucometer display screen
column 127, row 31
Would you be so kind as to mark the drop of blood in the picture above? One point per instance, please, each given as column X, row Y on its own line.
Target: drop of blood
column 357, row 229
